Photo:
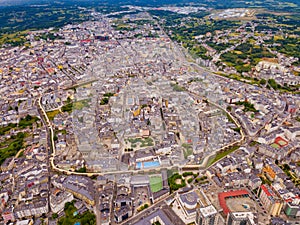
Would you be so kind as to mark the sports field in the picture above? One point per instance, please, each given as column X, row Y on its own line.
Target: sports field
column 156, row 183
column 281, row 142
column 274, row 145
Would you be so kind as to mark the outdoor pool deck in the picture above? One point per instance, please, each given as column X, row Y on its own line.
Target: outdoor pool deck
column 147, row 165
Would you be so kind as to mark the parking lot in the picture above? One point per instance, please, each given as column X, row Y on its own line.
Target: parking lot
column 141, row 197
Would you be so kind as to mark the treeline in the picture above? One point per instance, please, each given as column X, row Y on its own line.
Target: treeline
column 10, row 147
column 289, row 46
column 25, row 122
column 176, row 181
column 195, row 29
column 19, row 18
column 246, row 56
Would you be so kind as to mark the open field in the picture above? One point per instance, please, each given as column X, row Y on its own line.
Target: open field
column 156, row 183
column 52, row 114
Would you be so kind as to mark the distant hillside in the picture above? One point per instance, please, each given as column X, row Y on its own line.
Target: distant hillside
column 284, row 4
column 20, row 2
column 18, row 15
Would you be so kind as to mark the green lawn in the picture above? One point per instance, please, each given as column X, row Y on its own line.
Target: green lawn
column 11, row 146
column 221, row 155
column 87, row 218
column 156, row 183
column 172, row 180
column 274, row 145
column 144, row 142
column 52, row 114
column 188, row 150
column 282, row 143
column 7, row 128
column 27, row 121
column 79, row 105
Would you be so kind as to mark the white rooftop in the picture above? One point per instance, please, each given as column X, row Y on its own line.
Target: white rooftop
column 208, row 211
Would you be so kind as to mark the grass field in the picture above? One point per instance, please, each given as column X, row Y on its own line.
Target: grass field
column 221, row 155
column 156, row 183
column 11, row 146
column 52, row 114
column 274, row 145
column 71, row 217
column 282, row 143
column 14, row 38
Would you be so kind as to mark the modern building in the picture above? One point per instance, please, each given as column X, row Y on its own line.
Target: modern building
column 207, row 213
column 270, row 200
column 229, row 194
column 207, row 216
column 164, row 216
column 292, row 210
column 194, row 206
column 188, row 204
column 240, row 218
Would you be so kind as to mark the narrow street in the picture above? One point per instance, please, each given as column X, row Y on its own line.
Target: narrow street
column 48, row 147
column 96, row 208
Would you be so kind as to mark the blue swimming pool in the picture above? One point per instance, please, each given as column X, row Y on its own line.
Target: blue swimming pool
column 139, row 165
column 151, row 164
column 146, row 165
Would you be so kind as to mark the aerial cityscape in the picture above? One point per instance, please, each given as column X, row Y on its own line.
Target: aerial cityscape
column 135, row 112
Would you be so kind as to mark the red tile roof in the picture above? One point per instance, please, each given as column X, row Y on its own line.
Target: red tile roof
column 266, row 190
column 222, row 198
